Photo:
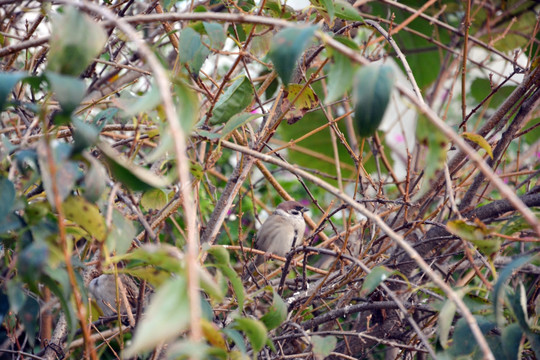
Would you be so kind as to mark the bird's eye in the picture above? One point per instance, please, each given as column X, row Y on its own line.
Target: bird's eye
column 295, row 212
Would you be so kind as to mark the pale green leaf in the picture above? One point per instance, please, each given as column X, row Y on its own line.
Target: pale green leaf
column 193, row 52
column 236, row 121
column 75, row 40
column 121, row 234
column 187, row 105
column 216, row 34
column 346, row 11
column 167, row 316
column 477, row 233
column 7, row 82
column 377, row 275
column 339, row 77
column 154, row 199
column 68, row 90
column 323, row 346
column 7, row 196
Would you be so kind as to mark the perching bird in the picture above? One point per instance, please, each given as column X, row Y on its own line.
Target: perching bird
column 281, row 231
column 103, row 290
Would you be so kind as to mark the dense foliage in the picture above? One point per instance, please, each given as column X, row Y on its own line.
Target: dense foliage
column 142, row 143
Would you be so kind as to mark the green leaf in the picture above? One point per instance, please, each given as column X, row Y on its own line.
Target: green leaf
column 16, row 295
column 10, row 222
column 216, row 34
column 480, row 141
column 371, row 94
column 136, row 105
column 7, row 196
column 7, row 82
column 164, row 257
column 329, row 6
column 481, row 88
column 374, row 279
column 75, row 41
column 511, row 339
column 86, row 215
column 68, row 90
column 534, row 340
column 236, row 121
column 32, row 261
column 254, row 330
column 105, row 116
column 187, row 349
column 167, row 4
column 193, row 53
column 513, row 37
column 223, row 263
column 29, row 316
column 321, row 142
column 134, row 177
column 274, row 6
column 339, row 77
column 63, row 293
column 425, row 65
column 287, row 46
column 464, row 343
column 235, row 99
column 167, row 316
column 187, row 105
column 208, row 135
column 518, row 303
column 346, row 11
column 237, row 338
column 121, row 234
column 210, row 286
column 276, row 313
column 504, row 276
column 323, row 345
column 67, row 171
column 85, row 135
column 260, row 45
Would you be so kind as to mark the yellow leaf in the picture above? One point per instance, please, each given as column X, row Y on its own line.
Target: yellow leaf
column 86, row 215
column 480, row 141
column 305, row 101
column 212, row 334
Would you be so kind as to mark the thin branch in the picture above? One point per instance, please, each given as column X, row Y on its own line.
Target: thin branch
column 471, row 321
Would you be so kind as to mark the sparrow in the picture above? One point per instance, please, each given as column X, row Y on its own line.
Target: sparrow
column 103, row 290
column 281, row 231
